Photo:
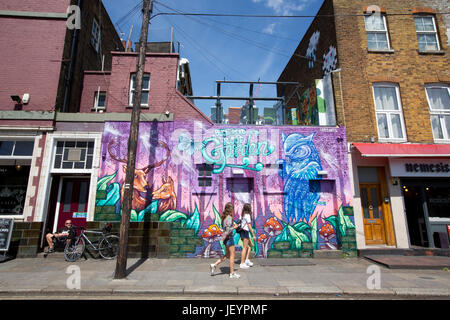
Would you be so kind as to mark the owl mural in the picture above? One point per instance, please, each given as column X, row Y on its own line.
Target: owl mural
column 301, row 164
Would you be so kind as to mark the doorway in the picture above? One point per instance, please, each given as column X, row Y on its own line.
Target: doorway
column 415, row 215
column 73, row 201
column 372, row 213
column 375, row 205
column 427, row 205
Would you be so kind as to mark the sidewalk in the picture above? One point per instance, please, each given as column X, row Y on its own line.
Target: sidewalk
column 184, row 278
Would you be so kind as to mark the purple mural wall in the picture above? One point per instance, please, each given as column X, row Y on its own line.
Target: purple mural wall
column 295, row 178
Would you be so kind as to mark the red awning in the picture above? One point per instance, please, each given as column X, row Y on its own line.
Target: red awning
column 402, row 150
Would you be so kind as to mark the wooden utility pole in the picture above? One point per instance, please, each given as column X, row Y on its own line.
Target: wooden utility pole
column 121, row 265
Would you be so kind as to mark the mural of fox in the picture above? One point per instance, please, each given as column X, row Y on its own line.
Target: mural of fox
column 166, row 195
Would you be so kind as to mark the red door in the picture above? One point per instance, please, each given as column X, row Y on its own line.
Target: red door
column 74, row 201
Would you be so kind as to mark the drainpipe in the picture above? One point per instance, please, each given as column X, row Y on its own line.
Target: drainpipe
column 68, row 80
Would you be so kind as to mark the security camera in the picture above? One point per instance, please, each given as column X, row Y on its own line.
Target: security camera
column 167, row 112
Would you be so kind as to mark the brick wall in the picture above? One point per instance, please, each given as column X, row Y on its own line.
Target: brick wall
column 86, row 57
column 405, row 66
column 163, row 95
column 31, row 54
column 59, row 6
column 25, row 239
column 36, row 53
column 301, row 68
column 91, row 82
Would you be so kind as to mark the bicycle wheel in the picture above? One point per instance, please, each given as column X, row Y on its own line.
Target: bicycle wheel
column 74, row 251
column 109, row 247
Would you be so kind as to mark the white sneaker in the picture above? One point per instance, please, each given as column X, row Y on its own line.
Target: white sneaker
column 213, row 268
column 234, row 275
column 249, row 263
column 243, row 266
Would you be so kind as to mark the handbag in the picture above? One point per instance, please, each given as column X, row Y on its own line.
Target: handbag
column 239, row 228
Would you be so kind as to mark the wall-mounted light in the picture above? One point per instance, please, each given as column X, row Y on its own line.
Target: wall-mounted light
column 322, row 173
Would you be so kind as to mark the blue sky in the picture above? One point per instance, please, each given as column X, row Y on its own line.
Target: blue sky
column 230, row 48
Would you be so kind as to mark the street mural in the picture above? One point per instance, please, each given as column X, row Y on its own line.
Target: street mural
column 295, row 178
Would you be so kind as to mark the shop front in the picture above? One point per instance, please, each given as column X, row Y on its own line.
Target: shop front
column 295, row 178
column 402, row 194
column 426, row 190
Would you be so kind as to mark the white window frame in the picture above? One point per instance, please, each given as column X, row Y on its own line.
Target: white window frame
column 72, row 170
column 22, row 160
column 388, row 113
column 438, row 112
column 144, row 90
column 95, row 35
column 96, row 99
column 427, row 32
column 385, row 30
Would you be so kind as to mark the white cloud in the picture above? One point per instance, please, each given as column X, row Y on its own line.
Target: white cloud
column 284, row 7
column 269, row 29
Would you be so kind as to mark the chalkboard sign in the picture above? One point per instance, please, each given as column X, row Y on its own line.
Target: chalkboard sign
column 6, row 229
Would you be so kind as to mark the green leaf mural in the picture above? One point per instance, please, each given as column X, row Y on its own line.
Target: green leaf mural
column 255, row 247
column 295, row 234
column 112, row 197
column 218, row 221
column 173, row 215
column 194, row 221
column 314, row 232
column 341, row 223
column 133, row 215
column 103, row 182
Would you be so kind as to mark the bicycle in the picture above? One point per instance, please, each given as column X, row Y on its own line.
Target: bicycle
column 107, row 245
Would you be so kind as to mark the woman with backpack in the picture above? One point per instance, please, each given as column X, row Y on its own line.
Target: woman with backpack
column 246, row 225
column 228, row 226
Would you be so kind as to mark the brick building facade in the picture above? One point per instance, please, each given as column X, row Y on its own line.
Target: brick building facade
column 389, row 64
column 43, row 63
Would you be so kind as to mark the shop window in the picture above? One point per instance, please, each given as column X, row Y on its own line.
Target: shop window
column 13, row 188
column 389, row 113
column 74, row 155
column 439, row 103
column 16, row 148
column 426, row 33
column 438, row 201
column 205, row 175
column 145, row 89
column 377, row 33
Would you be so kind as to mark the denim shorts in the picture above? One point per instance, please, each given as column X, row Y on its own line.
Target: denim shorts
column 245, row 234
column 228, row 242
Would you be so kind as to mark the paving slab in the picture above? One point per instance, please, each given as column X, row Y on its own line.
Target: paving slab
column 421, row 292
column 411, row 262
column 191, row 277
column 317, row 290
column 211, row 290
column 263, row 290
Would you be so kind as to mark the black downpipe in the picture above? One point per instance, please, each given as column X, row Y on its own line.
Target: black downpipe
column 73, row 51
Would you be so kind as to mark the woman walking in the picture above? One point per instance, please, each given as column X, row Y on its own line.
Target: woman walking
column 246, row 225
column 228, row 226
